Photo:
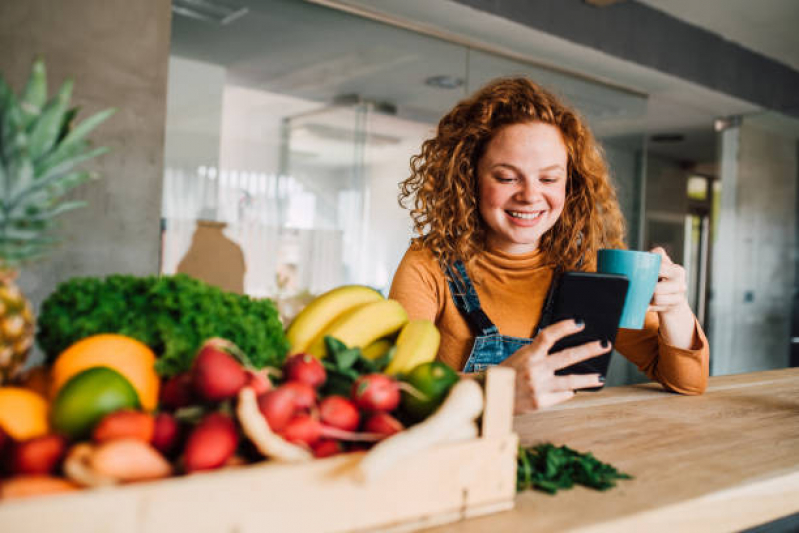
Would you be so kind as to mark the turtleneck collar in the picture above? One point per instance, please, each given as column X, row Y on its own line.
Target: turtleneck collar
column 506, row 261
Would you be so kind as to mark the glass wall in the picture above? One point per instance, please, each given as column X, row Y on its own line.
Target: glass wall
column 289, row 129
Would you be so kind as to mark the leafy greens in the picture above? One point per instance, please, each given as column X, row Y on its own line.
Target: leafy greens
column 171, row 314
column 549, row 468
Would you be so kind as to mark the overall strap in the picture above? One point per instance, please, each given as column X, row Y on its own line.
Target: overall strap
column 549, row 301
column 465, row 297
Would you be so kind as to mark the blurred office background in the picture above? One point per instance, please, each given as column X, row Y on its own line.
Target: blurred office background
column 287, row 125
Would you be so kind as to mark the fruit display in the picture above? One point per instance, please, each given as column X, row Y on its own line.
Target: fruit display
column 360, row 376
column 42, row 148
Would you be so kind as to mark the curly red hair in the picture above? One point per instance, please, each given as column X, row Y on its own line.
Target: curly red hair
column 443, row 180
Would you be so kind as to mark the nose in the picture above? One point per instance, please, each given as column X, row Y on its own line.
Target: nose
column 529, row 191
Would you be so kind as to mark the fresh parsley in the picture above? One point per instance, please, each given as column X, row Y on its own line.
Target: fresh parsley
column 550, row 468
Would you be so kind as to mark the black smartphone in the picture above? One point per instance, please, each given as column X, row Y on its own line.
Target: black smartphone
column 597, row 299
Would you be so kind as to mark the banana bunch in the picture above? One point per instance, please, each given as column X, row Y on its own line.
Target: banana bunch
column 417, row 343
column 361, row 317
column 354, row 314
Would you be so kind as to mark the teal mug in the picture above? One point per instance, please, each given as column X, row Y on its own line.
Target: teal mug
column 641, row 269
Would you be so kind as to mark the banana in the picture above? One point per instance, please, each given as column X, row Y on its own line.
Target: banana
column 377, row 349
column 362, row 326
column 324, row 310
column 417, row 343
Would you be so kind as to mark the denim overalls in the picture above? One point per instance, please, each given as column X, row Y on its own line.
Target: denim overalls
column 490, row 348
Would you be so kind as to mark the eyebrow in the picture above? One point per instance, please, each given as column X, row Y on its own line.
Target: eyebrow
column 556, row 166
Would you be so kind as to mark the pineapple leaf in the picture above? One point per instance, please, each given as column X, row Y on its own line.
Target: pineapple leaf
column 67, row 147
column 35, row 94
column 44, row 131
column 39, row 152
column 21, row 173
column 66, row 123
column 36, row 214
column 12, row 134
column 43, row 191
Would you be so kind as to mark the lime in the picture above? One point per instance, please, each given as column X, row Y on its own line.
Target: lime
column 433, row 380
column 88, row 397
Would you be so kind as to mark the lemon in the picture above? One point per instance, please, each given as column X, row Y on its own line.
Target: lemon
column 433, row 380
column 88, row 397
column 23, row 413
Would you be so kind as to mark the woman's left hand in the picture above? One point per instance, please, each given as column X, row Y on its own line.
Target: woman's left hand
column 671, row 287
column 677, row 323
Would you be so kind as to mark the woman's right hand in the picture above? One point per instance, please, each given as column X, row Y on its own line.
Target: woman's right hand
column 537, row 386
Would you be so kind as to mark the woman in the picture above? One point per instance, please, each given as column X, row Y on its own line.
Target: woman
column 513, row 186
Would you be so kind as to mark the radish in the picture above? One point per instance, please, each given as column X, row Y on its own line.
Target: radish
column 211, row 443
column 166, row 434
column 454, row 418
column 278, row 407
column 304, row 368
column 39, row 455
column 383, row 424
column 216, row 374
column 303, row 429
column 177, row 392
column 259, row 381
column 339, row 412
column 269, row 443
column 376, row 392
column 326, row 448
column 304, row 395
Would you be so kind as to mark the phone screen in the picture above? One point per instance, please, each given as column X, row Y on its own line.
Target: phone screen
column 597, row 299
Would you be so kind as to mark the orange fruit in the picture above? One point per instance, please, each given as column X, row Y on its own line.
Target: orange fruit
column 37, row 379
column 23, row 413
column 131, row 358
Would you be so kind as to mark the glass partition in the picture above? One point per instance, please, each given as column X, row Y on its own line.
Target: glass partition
column 290, row 128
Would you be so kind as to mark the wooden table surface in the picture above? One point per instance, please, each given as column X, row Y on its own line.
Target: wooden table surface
column 723, row 461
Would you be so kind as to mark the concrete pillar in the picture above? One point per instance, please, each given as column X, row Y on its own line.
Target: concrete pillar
column 117, row 52
column 755, row 250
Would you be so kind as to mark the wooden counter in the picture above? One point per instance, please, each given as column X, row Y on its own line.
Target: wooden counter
column 723, row 461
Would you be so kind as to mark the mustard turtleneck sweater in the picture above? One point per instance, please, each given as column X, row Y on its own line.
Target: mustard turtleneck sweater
column 512, row 289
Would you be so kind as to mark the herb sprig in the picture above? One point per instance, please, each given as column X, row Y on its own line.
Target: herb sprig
column 550, row 468
column 344, row 365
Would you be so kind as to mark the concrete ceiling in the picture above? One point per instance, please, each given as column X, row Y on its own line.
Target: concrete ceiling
column 768, row 27
column 295, row 47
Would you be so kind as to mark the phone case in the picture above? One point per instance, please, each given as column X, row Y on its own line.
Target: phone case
column 597, row 299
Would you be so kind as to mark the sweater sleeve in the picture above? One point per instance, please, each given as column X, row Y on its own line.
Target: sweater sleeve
column 678, row 370
column 415, row 286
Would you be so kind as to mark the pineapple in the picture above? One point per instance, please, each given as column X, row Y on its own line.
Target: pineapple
column 40, row 149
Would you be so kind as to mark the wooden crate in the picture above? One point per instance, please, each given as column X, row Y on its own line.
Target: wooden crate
column 443, row 484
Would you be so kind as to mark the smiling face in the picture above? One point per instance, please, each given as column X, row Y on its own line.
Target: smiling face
column 521, row 180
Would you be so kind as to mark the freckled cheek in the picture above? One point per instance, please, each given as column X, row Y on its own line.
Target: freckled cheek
column 491, row 199
column 556, row 201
